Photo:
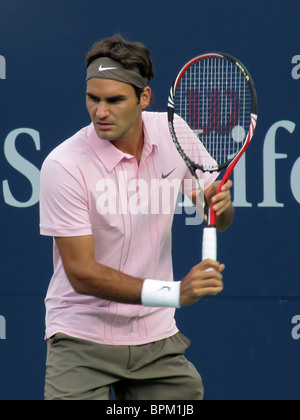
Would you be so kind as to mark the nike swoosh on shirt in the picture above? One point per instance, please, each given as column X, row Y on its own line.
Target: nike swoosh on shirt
column 101, row 68
column 164, row 176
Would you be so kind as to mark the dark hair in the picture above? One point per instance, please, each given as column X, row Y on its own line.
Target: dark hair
column 131, row 54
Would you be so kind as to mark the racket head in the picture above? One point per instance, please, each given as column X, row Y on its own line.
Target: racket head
column 212, row 112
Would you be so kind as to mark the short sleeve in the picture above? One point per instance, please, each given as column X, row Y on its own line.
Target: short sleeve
column 64, row 204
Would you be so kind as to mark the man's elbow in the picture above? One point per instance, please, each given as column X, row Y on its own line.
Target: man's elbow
column 80, row 279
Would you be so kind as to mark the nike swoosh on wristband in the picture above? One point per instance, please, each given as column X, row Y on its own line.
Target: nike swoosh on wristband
column 164, row 176
column 101, row 68
column 165, row 289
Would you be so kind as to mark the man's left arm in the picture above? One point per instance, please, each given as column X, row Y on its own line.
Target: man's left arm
column 221, row 203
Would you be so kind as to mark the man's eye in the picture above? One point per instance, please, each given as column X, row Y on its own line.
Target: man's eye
column 94, row 98
column 116, row 100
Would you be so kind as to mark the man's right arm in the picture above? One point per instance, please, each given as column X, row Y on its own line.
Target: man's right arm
column 88, row 277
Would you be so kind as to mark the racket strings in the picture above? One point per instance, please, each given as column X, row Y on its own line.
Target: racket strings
column 213, row 105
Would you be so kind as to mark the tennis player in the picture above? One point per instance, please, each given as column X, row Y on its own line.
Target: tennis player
column 111, row 302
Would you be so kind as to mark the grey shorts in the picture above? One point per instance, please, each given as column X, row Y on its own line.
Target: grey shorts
column 78, row 369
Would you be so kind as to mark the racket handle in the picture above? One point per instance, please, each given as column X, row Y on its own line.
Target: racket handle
column 209, row 244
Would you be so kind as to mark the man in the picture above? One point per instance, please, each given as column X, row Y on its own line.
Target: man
column 111, row 302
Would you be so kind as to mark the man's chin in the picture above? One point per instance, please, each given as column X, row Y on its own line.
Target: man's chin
column 104, row 134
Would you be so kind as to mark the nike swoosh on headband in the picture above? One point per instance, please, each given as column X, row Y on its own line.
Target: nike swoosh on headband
column 101, row 68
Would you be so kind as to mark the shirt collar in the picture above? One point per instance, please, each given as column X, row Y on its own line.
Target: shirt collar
column 110, row 156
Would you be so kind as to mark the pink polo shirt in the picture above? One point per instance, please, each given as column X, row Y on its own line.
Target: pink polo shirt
column 88, row 187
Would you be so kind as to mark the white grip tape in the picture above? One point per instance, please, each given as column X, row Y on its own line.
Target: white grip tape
column 209, row 244
column 157, row 293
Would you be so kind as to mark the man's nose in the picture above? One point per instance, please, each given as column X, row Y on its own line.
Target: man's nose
column 102, row 110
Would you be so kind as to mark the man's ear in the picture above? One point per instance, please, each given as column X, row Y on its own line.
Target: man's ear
column 145, row 98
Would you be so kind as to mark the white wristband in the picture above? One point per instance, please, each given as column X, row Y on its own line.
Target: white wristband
column 157, row 293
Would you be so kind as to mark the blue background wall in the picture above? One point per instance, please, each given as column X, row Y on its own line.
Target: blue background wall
column 245, row 341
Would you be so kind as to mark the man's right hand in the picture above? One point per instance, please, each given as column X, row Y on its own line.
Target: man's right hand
column 203, row 280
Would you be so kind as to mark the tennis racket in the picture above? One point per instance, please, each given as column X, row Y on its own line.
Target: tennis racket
column 212, row 113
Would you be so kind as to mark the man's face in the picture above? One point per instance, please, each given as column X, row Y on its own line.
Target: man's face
column 114, row 109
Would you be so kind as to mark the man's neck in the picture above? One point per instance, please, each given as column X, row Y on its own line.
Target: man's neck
column 130, row 146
